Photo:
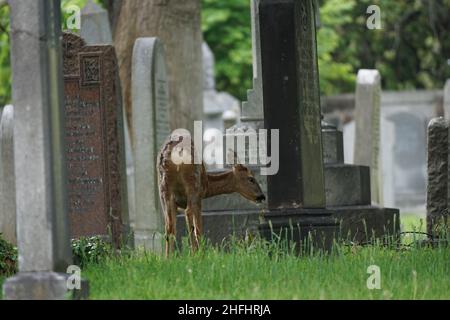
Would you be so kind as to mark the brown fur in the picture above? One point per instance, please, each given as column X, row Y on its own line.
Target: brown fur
column 185, row 185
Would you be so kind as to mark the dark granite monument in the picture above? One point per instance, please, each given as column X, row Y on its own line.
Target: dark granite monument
column 314, row 194
column 94, row 141
column 437, row 189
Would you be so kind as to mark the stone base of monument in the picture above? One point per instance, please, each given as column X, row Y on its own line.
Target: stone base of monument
column 42, row 286
column 149, row 240
column 302, row 226
column 362, row 224
column 318, row 228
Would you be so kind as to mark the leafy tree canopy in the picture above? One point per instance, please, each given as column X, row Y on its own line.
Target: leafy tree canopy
column 411, row 50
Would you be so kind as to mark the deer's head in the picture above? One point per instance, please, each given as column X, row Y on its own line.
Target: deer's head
column 247, row 185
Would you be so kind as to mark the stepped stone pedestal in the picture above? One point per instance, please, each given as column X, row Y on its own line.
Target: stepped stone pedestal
column 349, row 195
column 347, row 189
column 314, row 198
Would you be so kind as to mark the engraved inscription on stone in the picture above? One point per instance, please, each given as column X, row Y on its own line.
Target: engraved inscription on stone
column 93, row 147
column 84, row 149
column 307, row 76
column 162, row 119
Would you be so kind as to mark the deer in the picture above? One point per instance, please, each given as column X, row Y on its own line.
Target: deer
column 183, row 186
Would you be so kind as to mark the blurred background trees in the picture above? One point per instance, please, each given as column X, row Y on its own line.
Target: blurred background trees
column 411, row 51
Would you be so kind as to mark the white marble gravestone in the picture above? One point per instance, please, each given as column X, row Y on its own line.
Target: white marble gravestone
column 367, row 128
column 150, row 96
column 7, row 183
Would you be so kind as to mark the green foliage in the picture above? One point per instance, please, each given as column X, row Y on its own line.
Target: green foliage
column 226, row 29
column 90, row 250
column 8, row 258
column 411, row 50
column 5, row 65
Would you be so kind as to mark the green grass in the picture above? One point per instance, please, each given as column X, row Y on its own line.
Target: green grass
column 414, row 273
column 253, row 271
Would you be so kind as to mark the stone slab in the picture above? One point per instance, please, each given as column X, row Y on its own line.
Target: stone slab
column 347, row 185
column 333, row 149
column 345, row 223
column 220, row 226
column 361, row 224
column 42, row 286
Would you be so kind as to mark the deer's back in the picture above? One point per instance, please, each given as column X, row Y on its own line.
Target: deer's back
column 180, row 179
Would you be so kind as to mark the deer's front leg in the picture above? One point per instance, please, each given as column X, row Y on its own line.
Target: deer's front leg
column 193, row 212
column 170, row 216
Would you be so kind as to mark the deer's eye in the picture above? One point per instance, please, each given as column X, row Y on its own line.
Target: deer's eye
column 252, row 180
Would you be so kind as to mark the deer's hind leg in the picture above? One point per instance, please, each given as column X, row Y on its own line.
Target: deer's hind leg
column 193, row 213
column 170, row 226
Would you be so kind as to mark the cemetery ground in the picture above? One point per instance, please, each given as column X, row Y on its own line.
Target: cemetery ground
column 253, row 270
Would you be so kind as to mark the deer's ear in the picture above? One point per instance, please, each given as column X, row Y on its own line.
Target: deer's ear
column 239, row 167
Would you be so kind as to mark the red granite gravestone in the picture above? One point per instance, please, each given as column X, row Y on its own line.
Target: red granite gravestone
column 94, row 141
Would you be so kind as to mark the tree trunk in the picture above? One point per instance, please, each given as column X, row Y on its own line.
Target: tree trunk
column 177, row 24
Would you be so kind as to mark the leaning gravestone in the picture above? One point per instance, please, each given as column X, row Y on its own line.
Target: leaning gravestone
column 40, row 179
column 7, row 183
column 367, row 122
column 95, row 141
column 437, row 193
column 96, row 29
column 150, row 130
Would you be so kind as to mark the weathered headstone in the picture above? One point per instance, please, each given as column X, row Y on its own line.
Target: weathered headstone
column 447, row 99
column 7, row 181
column 410, row 158
column 40, row 166
column 367, row 130
column 95, row 26
column 437, row 190
column 96, row 29
column 150, row 129
column 95, row 141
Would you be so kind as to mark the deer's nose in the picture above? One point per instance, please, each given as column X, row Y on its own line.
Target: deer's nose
column 261, row 198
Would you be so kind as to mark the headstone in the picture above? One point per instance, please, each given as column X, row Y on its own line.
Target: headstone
column 150, row 129
column 215, row 104
column 252, row 109
column 387, row 150
column 410, row 159
column 447, row 99
column 437, row 190
column 292, row 102
column 7, row 181
column 40, row 179
column 95, row 141
column 367, row 131
column 349, row 142
column 95, row 26
column 96, row 29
